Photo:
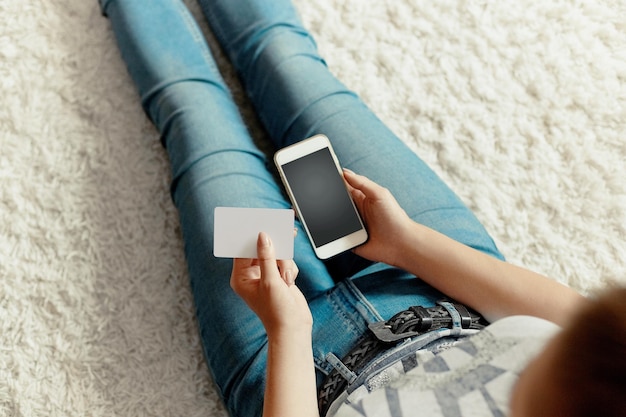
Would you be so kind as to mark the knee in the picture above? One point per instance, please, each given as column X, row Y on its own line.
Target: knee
column 271, row 44
column 184, row 96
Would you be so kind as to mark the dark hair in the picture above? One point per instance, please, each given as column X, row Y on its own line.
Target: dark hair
column 591, row 363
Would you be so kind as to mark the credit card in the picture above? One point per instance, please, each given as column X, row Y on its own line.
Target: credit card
column 236, row 230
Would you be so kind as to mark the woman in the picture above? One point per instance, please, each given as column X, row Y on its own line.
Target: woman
column 418, row 228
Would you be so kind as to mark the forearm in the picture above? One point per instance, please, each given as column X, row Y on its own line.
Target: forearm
column 494, row 288
column 290, row 387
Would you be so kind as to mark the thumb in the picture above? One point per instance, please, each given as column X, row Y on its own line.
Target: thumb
column 266, row 256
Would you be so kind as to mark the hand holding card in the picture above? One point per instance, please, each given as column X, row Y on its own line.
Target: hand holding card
column 236, row 230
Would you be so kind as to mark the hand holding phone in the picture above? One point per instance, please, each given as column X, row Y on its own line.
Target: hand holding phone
column 314, row 182
column 388, row 225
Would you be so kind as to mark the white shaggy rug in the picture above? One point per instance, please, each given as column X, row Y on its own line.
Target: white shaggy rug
column 519, row 105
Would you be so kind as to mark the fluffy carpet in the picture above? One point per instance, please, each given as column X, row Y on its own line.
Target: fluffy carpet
column 519, row 105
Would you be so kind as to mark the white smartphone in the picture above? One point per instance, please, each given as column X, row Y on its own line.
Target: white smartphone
column 314, row 182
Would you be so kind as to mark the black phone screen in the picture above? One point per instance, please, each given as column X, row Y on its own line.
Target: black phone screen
column 322, row 198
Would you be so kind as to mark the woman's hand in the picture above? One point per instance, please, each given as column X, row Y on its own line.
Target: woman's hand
column 387, row 223
column 494, row 288
column 267, row 286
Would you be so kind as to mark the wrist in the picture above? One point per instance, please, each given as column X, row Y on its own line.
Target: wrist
column 290, row 334
column 409, row 244
column 291, row 344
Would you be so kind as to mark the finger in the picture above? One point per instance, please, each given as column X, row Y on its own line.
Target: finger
column 239, row 274
column 350, row 188
column 357, row 195
column 239, row 263
column 362, row 183
column 288, row 270
column 266, row 257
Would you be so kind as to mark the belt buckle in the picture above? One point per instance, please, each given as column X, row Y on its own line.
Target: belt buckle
column 383, row 332
column 408, row 323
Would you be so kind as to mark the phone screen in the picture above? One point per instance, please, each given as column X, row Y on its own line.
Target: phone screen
column 321, row 195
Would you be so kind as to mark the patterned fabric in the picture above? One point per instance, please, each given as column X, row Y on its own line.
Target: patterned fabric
column 473, row 377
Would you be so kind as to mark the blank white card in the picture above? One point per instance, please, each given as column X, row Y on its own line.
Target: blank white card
column 236, row 230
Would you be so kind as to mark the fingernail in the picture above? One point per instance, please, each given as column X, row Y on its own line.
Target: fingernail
column 289, row 277
column 264, row 239
column 348, row 171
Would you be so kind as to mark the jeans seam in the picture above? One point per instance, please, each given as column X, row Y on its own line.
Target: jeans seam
column 197, row 36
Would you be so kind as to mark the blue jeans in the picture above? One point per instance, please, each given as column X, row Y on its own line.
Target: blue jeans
column 214, row 162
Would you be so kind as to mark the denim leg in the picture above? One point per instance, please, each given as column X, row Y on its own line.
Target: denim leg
column 214, row 162
column 296, row 96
